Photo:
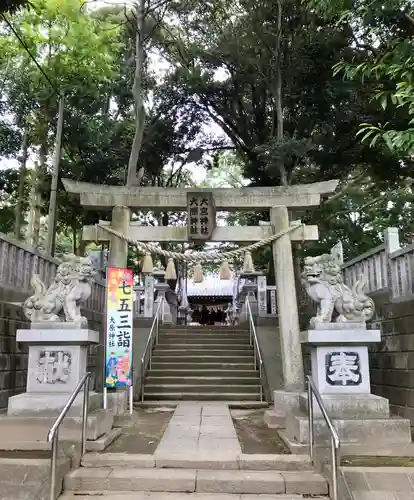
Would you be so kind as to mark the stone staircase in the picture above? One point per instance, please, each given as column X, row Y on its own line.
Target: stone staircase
column 202, row 364
column 119, row 476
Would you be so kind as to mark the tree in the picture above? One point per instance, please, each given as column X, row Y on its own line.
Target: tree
column 11, row 6
column 48, row 49
column 383, row 39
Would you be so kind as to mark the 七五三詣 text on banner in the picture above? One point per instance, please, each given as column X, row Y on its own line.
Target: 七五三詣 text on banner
column 119, row 323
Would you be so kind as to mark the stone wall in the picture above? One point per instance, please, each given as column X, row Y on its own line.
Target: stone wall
column 392, row 361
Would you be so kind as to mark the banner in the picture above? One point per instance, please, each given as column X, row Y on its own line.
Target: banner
column 119, row 322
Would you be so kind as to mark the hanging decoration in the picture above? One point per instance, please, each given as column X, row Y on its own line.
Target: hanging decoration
column 225, row 272
column 198, row 273
column 248, row 266
column 170, row 272
column 147, row 265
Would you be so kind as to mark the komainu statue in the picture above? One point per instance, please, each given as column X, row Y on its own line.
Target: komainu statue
column 322, row 280
column 62, row 300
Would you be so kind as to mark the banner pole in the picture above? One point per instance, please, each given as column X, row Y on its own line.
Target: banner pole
column 131, row 399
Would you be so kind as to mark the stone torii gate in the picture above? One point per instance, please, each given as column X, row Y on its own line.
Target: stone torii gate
column 278, row 200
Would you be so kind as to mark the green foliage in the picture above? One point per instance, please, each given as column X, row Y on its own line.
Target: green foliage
column 383, row 61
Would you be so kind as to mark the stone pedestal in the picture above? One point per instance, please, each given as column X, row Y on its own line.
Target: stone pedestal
column 340, row 371
column 166, row 316
column 249, row 291
column 57, row 361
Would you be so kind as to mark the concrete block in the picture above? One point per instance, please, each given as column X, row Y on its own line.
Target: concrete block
column 286, row 401
column 104, row 441
column 120, row 460
column 152, row 480
column 274, row 462
column 252, row 482
column 197, row 460
column 46, row 404
column 349, row 406
column 305, row 483
column 36, row 428
column 117, row 402
column 361, row 431
column 275, row 419
column 87, row 479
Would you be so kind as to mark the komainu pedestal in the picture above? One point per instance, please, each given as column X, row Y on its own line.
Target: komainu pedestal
column 58, row 343
column 58, row 359
column 338, row 339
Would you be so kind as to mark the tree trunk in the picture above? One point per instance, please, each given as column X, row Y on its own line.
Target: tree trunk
column 74, row 240
column 36, row 199
column 82, row 248
column 133, row 178
column 22, row 181
column 278, row 93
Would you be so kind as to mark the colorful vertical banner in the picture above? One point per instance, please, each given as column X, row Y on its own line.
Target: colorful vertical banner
column 119, row 322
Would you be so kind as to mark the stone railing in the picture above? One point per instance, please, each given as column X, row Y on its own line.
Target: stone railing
column 387, row 267
column 19, row 261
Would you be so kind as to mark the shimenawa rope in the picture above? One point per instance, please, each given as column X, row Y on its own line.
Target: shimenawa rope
column 209, row 256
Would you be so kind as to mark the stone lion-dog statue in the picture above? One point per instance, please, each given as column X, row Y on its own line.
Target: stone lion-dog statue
column 62, row 301
column 322, row 280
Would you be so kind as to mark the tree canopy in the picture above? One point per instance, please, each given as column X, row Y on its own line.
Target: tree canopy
column 258, row 92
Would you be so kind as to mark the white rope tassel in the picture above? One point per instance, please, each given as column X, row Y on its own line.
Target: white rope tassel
column 225, row 272
column 170, row 273
column 147, row 265
column 198, row 273
column 248, row 266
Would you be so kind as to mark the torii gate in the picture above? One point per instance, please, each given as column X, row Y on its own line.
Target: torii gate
column 278, row 200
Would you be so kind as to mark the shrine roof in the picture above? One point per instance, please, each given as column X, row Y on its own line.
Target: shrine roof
column 211, row 287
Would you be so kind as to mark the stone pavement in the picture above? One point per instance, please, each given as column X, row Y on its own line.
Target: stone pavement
column 380, row 483
column 199, row 457
column 200, row 428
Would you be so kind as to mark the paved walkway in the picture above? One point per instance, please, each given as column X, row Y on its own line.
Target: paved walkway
column 198, row 428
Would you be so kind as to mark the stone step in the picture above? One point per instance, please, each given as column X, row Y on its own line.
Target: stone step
column 200, row 364
column 207, row 372
column 202, row 351
column 188, row 388
column 232, row 404
column 201, row 396
column 220, row 347
column 146, row 495
column 205, row 339
column 198, row 460
column 201, row 380
column 202, row 329
column 217, row 358
column 90, row 480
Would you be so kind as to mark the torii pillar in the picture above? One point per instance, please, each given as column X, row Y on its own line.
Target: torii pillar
column 118, row 250
column 291, row 349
